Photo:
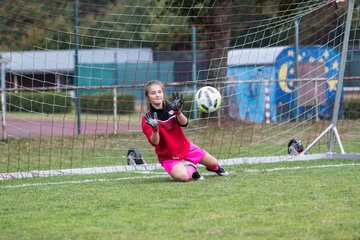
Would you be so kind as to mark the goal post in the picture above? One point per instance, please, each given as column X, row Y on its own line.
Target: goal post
column 341, row 79
column 332, row 127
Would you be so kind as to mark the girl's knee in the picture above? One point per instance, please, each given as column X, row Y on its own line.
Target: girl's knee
column 180, row 173
column 184, row 177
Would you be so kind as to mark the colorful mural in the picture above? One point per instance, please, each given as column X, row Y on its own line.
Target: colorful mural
column 265, row 92
column 247, row 93
column 326, row 61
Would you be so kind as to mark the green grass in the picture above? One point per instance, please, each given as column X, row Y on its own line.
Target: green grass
column 56, row 152
column 305, row 203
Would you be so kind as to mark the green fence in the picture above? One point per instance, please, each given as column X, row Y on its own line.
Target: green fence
column 131, row 74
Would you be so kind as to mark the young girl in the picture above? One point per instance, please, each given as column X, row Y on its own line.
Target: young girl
column 162, row 127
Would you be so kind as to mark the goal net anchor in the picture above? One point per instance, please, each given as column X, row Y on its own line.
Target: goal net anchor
column 295, row 147
column 134, row 157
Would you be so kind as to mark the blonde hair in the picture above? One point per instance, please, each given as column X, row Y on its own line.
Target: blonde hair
column 154, row 82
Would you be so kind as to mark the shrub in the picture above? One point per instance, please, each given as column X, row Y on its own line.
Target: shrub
column 42, row 102
column 103, row 103
column 352, row 108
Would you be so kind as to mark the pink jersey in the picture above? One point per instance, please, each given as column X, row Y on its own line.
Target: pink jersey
column 173, row 143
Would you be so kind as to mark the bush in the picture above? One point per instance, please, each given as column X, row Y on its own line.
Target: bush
column 352, row 108
column 103, row 103
column 43, row 102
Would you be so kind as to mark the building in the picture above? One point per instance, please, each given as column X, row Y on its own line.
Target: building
column 55, row 68
column 263, row 86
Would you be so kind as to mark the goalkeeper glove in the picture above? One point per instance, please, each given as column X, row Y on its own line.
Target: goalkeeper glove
column 176, row 104
column 152, row 121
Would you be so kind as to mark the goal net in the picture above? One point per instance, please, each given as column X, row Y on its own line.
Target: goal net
column 73, row 75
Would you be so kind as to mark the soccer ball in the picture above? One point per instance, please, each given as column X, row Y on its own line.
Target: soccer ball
column 208, row 99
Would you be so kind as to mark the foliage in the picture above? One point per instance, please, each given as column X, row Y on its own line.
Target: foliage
column 42, row 102
column 104, row 103
column 352, row 108
column 166, row 25
column 110, row 23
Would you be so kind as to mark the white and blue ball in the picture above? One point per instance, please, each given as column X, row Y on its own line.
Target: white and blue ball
column 208, row 99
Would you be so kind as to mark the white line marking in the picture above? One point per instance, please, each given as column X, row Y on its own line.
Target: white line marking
column 153, row 173
column 81, row 181
column 160, row 175
column 300, row 168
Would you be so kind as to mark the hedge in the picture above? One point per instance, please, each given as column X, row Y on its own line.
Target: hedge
column 43, row 102
column 352, row 108
column 103, row 103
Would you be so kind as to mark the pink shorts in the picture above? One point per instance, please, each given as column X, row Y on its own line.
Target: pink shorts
column 195, row 155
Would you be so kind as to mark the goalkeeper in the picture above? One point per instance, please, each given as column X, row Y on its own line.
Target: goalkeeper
column 162, row 127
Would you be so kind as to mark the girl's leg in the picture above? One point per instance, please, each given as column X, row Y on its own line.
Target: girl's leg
column 179, row 171
column 182, row 173
column 198, row 155
column 212, row 165
column 210, row 162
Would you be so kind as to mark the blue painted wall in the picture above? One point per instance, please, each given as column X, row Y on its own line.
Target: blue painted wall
column 247, row 94
column 285, row 72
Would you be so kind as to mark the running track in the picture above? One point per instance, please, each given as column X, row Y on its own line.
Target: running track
column 46, row 128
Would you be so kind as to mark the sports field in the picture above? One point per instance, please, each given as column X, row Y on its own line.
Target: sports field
column 292, row 200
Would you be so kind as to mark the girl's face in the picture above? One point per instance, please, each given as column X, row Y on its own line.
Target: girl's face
column 156, row 96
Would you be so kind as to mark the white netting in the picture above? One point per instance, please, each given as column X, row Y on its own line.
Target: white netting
column 72, row 85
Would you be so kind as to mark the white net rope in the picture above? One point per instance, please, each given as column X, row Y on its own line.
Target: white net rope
column 276, row 65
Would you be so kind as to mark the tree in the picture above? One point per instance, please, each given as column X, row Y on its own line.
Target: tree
column 215, row 21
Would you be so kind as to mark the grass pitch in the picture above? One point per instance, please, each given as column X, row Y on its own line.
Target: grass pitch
column 294, row 200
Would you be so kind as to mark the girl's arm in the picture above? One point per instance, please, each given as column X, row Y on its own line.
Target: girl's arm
column 182, row 119
column 152, row 121
column 155, row 137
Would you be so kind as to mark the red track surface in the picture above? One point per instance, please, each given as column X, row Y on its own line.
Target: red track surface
column 46, row 128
